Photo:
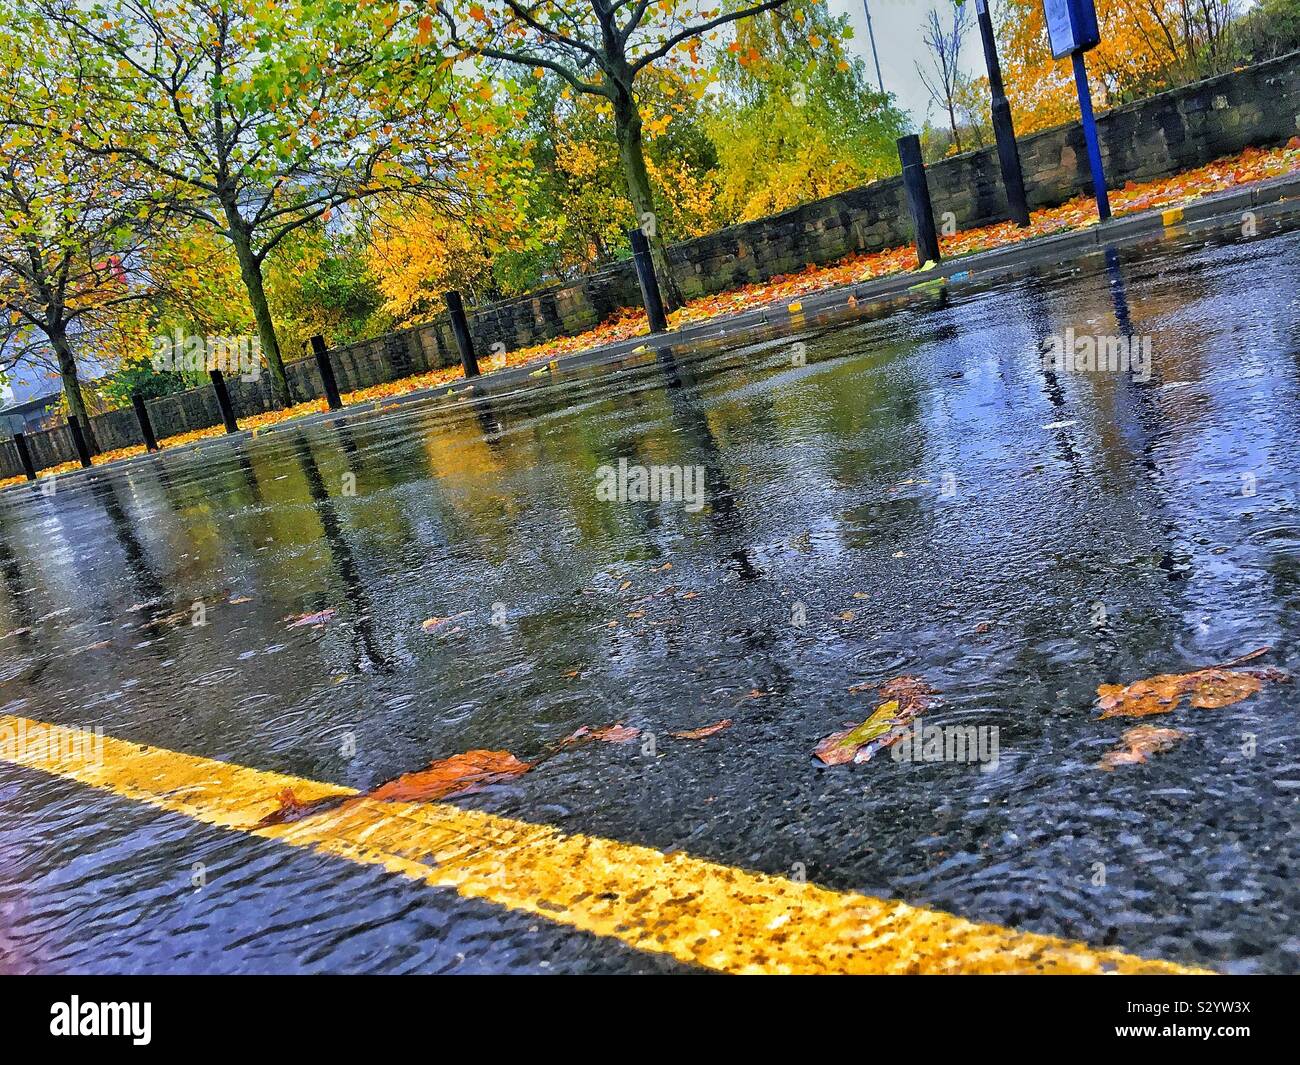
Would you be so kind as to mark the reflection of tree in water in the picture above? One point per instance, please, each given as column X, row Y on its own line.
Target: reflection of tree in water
column 725, row 519
column 11, row 573
column 145, row 582
column 1042, row 324
column 341, row 553
column 147, row 585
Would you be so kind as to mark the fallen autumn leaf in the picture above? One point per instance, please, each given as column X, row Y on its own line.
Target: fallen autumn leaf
column 702, row 733
column 1208, row 688
column 904, row 697
column 1138, row 743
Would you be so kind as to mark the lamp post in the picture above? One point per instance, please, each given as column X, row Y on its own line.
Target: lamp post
column 1013, row 179
column 871, row 34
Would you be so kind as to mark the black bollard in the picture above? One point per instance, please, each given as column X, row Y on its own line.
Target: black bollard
column 918, row 199
column 1013, row 178
column 223, row 401
column 79, row 441
column 146, row 426
column 645, row 274
column 24, row 456
column 326, row 368
column 460, row 326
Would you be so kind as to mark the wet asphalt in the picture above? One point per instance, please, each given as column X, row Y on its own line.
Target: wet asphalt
column 899, row 490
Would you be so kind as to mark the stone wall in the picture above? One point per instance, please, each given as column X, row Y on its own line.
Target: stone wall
column 1151, row 138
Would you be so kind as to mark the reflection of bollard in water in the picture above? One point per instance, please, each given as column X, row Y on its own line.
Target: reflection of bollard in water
column 326, row 369
column 24, row 456
column 918, row 199
column 79, row 441
column 223, row 401
column 645, row 275
column 146, row 426
column 460, row 327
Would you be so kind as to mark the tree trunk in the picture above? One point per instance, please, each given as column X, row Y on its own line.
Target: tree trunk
column 627, row 121
column 250, row 270
column 72, row 384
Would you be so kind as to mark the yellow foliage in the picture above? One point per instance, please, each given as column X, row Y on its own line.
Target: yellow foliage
column 1142, row 44
column 418, row 253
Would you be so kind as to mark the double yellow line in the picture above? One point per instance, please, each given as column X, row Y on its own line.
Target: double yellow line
column 696, row 911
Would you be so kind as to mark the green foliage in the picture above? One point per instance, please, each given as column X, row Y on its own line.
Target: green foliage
column 1270, row 29
column 138, row 376
column 797, row 119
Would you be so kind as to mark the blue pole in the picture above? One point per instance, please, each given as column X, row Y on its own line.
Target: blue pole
column 1090, row 135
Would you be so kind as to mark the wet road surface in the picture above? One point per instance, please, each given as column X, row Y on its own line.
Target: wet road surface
column 904, row 493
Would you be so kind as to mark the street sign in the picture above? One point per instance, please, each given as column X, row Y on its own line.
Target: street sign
column 1071, row 26
column 1071, row 30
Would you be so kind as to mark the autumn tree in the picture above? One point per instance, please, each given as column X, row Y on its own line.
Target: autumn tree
column 577, row 206
column 1146, row 46
column 943, row 41
column 262, row 118
column 600, row 48
column 74, row 230
column 796, row 118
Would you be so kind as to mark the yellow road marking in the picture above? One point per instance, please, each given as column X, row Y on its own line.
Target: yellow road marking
column 698, row 912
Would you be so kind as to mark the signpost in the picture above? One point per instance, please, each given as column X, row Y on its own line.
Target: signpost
column 1072, row 30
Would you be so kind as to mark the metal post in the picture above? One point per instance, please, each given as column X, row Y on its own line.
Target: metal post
column 146, row 426
column 24, row 456
column 223, row 401
column 326, row 369
column 1013, row 178
column 645, row 274
column 460, row 326
column 79, row 441
column 871, row 34
column 1090, row 135
column 918, row 199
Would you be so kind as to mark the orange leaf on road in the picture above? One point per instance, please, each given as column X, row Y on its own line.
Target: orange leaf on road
column 1205, row 689
column 702, row 733
column 317, row 619
column 1138, row 743
column 451, row 776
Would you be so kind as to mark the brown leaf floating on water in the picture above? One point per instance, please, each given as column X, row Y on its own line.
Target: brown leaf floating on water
column 292, row 808
column 451, row 776
column 702, row 733
column 616, row 733
column 319, row 618
column 1207, row 689
column 448, row 776
column 1138, row 743
column 431, row 624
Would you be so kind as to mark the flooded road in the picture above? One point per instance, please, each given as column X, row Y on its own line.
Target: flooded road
column 910, row 492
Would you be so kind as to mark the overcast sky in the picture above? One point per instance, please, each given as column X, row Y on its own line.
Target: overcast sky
column 897, row 24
